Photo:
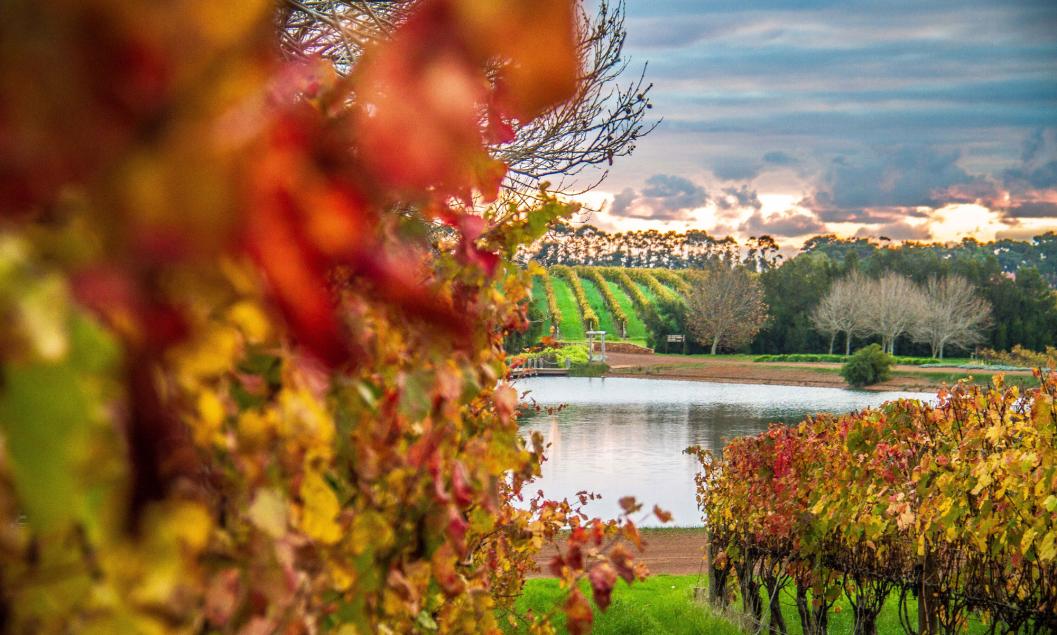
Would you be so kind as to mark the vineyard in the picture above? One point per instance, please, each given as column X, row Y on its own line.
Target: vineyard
column 617, row 300
column 952, row 507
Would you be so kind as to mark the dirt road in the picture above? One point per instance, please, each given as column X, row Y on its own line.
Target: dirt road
column 735, row 370
column 672, row 551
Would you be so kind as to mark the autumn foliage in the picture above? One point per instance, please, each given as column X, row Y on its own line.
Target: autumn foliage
column 248, row 382
column 954, row 504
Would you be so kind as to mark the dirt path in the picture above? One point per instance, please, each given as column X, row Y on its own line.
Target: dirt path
column 671, row 551
column 732, row 370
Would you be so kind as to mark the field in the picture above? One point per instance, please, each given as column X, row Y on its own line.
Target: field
column 572, row 327
column 664, row 604
column 744, row 369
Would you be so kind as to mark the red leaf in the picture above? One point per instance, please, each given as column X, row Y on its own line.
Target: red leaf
column 602, row 577
column 578, row 613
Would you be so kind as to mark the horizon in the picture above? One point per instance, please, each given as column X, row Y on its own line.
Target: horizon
column 922, row 122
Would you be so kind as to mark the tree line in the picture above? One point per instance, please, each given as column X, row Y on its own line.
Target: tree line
column 1013, row 278
column 946, row 311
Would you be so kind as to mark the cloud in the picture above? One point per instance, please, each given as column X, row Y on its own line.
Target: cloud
column 732, row 169
column 1033, row 209
column 738, row 198
column 779, row 158
column 1038, row 167
column 896, row 231
column 906, row 176
column 622, row 201
column 859, row 215
column 787, row 224
column 665, row 197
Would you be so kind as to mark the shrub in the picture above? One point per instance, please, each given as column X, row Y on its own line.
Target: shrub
column 574, row 353
column 867, row 366
column 838, row 359
column 1022, row 357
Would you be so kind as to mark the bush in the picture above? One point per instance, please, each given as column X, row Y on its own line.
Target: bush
column 1022, row 357
column 838, row 359
column 867, row 366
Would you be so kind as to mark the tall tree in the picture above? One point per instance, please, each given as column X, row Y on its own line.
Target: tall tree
column 953, row 314
column 839, row 311
column 891, row 305
column 601, row 121
column 725, row 307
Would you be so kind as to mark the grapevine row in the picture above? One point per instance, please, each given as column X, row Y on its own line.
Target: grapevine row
column 552, row 302
column 638, row 298
column 647, row 278
column 590, row 318
column 673, row 279
column 953, row 502
column 595, row 276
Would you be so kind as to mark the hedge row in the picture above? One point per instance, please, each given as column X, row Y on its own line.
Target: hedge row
column 672, row 279
column 590, row 318
column 593, row 274
column 838, row 359
column 647, row 278
column 952, row 501
column 621, row 277
column 552, row 301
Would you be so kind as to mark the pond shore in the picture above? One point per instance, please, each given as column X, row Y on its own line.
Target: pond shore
column 742, row 370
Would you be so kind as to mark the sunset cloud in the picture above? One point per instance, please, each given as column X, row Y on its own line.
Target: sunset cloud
column 876, row 116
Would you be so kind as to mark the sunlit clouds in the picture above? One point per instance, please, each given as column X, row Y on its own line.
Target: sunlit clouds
column 913, row 121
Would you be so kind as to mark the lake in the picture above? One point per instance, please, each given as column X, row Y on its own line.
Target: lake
column 624, row 436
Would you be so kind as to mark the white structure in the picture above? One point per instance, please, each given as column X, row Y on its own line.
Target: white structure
column 592, row 356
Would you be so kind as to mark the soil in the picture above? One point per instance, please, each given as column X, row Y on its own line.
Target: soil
column 746, row 371
column 671, row 551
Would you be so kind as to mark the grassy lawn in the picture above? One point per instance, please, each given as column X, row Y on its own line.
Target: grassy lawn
column 572, row 325
column 636, row 329
column 664, row 604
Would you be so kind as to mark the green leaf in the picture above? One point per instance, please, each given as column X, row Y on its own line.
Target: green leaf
column 44, row 415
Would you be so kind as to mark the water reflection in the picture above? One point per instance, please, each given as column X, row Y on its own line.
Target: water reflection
column 622, row 436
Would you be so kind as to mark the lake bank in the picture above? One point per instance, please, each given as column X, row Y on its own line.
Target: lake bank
column 742, row 370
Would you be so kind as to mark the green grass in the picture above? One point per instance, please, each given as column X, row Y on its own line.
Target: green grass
column 646, row 292
column 572, row 326
column 606, row 322
column 636, row 329
column 661, row 604
column 539, row 302
column 664, row 604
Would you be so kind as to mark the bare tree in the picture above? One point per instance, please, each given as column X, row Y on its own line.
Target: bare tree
column 953, row 314
column 601, row 122
column 839, row 310
column 891, row 306
column 725, row 307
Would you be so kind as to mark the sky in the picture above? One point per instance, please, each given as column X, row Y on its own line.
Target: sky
column 913, row 120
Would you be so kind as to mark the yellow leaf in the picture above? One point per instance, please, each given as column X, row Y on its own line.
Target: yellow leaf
column 1050, row 503
column 249, row 318
column 210, row 417
column 318, row 519
column 1047, row 549
column 268, row 512
column 1027, row 539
